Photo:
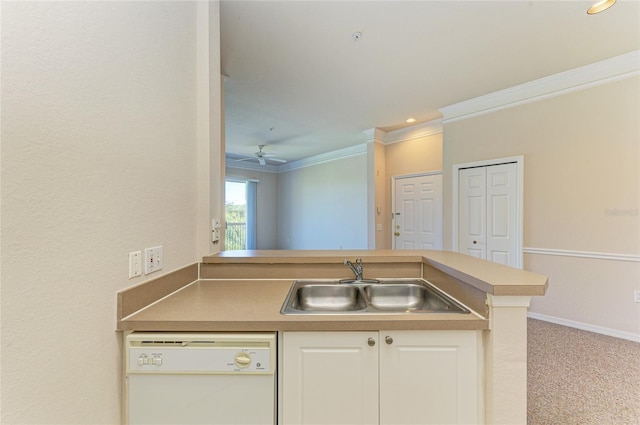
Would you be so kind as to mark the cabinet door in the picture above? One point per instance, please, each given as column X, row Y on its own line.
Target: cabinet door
column 330, row 378
column 429, row 377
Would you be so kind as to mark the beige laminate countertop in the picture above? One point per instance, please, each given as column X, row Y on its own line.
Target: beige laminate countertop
column 254, row 305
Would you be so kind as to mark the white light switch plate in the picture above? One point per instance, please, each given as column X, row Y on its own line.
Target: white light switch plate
column 135, row 264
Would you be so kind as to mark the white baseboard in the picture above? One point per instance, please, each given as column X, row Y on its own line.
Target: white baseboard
column 586, row 327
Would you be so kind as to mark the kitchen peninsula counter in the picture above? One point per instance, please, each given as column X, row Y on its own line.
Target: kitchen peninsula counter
column 245, row 290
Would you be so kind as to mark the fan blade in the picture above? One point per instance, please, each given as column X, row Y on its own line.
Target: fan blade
column 244, row 159
column 262, row 161
column 278, row 160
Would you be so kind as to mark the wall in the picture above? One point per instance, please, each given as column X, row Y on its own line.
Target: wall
column 415, row 155
column 382, row 207
column 209, row 124
column 581, row 194
column 323, row 206
column 100, row 143
column 267, row 203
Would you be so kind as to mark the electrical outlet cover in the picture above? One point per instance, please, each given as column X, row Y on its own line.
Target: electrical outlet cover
column 152, row 259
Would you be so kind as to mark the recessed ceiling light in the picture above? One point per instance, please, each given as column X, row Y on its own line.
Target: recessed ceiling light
column 411, row 120
column 600, row 6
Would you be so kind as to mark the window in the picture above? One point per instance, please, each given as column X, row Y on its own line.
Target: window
column 240, row 214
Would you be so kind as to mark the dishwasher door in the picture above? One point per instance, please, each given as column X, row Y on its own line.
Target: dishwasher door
column 200, row 378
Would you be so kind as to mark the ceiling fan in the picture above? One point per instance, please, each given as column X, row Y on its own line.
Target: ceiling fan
column 263, row 157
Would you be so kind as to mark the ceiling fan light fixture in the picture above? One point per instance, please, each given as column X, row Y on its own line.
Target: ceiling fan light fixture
column 600, row 6
column 262, row 157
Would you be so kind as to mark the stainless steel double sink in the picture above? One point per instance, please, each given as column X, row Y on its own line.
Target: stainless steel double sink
column 388, row 296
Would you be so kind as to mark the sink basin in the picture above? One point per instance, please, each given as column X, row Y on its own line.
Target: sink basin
column 390, row 296
column 406, row 297
column 328, row 298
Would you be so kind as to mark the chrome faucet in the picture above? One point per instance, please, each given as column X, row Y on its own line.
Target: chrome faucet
column 356, row 268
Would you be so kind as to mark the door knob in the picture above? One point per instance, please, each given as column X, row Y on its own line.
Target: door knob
column 371, row 342
column 388, row 340
column 397, row 233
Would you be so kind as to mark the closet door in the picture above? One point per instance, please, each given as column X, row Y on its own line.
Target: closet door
column 487, row 209
column 501, row 214
column 472, row 210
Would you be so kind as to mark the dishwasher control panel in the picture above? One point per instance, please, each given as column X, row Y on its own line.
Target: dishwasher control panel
column 214, row 354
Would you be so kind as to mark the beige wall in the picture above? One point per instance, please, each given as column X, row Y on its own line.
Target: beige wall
column 581, row 193
column 267, row 204
column 100, row 147
column 382, row 212
column 417, row 155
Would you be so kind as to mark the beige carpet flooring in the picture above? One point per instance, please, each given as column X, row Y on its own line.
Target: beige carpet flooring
column 578, row 377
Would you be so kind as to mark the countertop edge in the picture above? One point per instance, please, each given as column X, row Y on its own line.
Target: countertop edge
column 492, row 278
column 309, row 256
column 292, row 326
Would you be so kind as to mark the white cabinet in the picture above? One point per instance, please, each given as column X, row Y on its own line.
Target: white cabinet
column 386, row 377
column 330, row 378
column 429, row 377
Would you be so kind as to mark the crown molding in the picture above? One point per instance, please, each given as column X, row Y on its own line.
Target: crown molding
column 424, row 129
column 417, row 131
column 603, row 72
column 374, row 135
column 350, row 151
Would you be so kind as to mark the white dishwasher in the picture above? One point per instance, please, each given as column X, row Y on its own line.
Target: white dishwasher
column 200, row 378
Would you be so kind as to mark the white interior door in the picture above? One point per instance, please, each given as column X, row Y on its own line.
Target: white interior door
column 501, row 213
column 487, row 209
column 417, row 217
column 473, row 211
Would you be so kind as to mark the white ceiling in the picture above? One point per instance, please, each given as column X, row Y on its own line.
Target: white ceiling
column 300, row 84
